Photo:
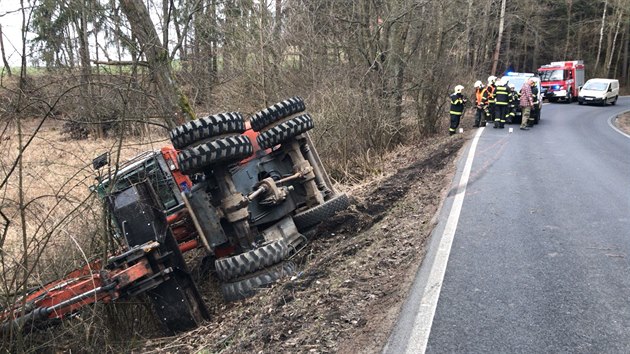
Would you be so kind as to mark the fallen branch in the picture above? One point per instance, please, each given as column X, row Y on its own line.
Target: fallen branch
column 121, row 62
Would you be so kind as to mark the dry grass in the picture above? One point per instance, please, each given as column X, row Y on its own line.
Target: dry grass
column 623, row 122
column 62, row 219
column 57, row 172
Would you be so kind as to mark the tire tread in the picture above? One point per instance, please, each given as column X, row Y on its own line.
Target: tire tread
column 276, row 112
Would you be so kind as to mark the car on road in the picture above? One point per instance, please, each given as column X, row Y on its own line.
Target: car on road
column 518, row 79
column 599, row 91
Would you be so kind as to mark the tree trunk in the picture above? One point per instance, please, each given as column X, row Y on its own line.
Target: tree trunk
column 263, row 56
column 611, row 51
column 277, row 29
column 397, row 65
column 535, row 52
column 214, row 43
column 86, row 72
column 166, row 17
column 7, row 67
column 468, row 37
column 601, row 36
column 568, row 32
column 497, row 48
column 625, row 75
column 175, row 104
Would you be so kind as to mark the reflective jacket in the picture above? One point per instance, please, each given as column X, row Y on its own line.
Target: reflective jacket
column 502, row 95
column 479, row 102
column 514, row 98
column 488, row 94
column 457, row 104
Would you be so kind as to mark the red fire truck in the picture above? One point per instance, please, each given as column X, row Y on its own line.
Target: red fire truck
column 562, row 80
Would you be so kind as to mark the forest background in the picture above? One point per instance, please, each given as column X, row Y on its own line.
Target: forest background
column 375, row 75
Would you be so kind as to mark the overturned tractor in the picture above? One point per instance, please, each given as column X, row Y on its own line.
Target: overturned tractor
column 247, row 193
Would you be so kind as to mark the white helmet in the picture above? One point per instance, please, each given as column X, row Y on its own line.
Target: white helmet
column 492, row 79
column 459, row 89
column 512, row 86
column 503, row 81
column 478, row 84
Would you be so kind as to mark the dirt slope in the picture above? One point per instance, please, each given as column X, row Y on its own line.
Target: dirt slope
column 353, row 277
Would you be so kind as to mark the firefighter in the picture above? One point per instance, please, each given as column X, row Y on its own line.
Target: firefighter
column 480, row 105
column 488, row 98
column 457, row 108
column 514, row 99
column 535, row 110
column 502, row 100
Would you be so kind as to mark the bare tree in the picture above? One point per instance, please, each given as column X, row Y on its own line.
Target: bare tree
column 173, row 101
column 601, row 34
column 7, row 67
column 497, row 48
column 568, row 38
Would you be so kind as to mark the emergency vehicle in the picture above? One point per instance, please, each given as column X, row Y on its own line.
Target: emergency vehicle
column 518, row 80
column 562, row 80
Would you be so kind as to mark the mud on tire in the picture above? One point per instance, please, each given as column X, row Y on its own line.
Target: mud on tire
column 315, row 215
column 276, row 112
column 206, row 127
column 285, row 131
column 247, row 286
column 251, row 261
column 221, row 150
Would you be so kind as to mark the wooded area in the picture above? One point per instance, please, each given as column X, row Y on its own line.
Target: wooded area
column 354, row 61
column 375, row 74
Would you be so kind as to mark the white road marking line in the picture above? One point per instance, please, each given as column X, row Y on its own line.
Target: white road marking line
column 424, row 319
column 612, row 124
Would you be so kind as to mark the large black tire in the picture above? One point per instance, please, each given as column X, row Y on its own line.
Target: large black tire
column 309, row 218
column 614, row 102
column 285, row 131
column 222, row 150
column 247, row 286
column 205, row 128
column 251, row 261
column 276, row 112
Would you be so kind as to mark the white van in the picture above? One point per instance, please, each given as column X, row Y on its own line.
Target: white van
column 599, row 91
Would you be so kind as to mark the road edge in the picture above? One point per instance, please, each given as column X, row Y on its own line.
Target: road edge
column 412, row 330
column 611, row 123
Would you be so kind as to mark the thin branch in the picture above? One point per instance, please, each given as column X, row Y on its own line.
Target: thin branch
column 121, row 63
column 196, row 8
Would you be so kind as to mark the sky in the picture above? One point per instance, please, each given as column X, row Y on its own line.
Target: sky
column 11, row 21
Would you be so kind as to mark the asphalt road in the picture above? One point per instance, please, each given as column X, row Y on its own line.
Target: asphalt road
column 540, row 255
